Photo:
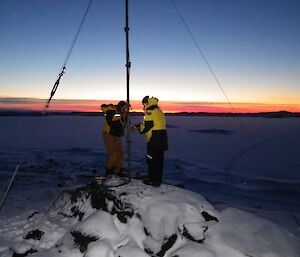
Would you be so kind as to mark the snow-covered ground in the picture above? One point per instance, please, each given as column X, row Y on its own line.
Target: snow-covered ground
column 255, row 169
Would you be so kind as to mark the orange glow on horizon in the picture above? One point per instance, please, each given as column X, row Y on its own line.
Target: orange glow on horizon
column 136, row 106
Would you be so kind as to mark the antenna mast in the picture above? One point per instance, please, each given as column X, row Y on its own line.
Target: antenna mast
column 128, row 65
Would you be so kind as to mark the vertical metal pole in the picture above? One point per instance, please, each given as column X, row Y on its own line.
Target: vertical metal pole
column 128, row 65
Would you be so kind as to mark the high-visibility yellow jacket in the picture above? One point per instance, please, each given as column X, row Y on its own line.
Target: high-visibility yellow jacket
column 113, row 123
column 154, row 126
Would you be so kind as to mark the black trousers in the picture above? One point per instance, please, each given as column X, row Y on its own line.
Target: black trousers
column 155, row 161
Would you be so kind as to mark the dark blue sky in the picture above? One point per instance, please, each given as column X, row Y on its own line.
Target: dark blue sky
column 252, row 46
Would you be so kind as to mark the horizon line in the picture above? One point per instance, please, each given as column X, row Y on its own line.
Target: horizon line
column 92, row 105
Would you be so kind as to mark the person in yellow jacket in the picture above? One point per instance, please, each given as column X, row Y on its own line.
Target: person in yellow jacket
column 154, row 127
column 113, row 130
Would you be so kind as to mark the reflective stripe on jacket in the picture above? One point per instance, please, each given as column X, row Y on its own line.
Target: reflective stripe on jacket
column 154, row 127
column 113, row 123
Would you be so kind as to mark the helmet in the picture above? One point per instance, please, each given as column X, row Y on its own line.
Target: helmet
column 145, row 99
column 121, row 104
column 106, row 107
column 152, row 101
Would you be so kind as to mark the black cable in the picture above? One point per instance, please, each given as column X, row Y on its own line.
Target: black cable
column 55, row 86
column 202, row 53
column 77, row 34
column 249, row 138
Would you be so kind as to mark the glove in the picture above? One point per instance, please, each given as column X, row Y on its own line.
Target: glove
column 135, row 128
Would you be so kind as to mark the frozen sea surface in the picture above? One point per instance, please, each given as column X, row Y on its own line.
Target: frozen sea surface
column 208, row 155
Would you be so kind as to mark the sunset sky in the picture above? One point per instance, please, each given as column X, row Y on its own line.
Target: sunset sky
column 252, row 47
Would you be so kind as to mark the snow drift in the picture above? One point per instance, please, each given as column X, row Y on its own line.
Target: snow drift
column 135, row 220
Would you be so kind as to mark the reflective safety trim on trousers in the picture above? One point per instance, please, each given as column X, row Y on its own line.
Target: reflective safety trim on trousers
column 149, row 156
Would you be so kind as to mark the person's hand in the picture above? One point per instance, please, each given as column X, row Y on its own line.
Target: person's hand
column 134, row 128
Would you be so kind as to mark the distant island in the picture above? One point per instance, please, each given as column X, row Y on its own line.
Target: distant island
column 279, row 114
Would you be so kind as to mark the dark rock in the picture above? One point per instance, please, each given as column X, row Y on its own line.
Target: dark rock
column 146, row 232
column 138, row 216
column 82, row 241
column 34, row 234
column 74, row 213
column 189, row 236
column 30, row 251
column 148, row 251
column 208, row 217
column 77, row 213
column 99, row 196
column 167, row 245
column 33, row 214
column 212, row 131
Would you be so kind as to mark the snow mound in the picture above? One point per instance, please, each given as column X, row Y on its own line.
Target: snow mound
column 135, row 220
